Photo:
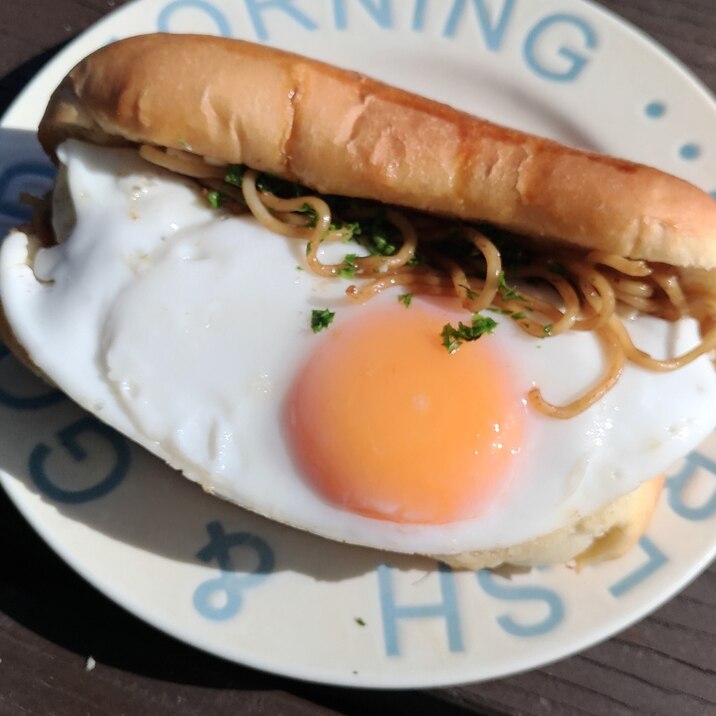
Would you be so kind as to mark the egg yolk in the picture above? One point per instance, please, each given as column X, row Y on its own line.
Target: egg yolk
column 384, row 422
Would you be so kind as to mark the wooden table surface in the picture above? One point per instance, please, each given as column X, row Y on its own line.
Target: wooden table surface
column 666, row 664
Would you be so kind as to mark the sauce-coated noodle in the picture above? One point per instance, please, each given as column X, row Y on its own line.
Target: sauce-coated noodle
column 584, row 289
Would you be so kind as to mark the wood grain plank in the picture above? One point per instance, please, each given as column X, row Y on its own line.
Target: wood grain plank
column 686, row 28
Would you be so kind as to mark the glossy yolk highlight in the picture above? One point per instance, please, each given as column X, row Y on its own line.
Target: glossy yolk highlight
column 385, row 423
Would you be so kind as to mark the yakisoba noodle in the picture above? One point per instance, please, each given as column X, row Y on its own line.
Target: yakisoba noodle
column 589, row 287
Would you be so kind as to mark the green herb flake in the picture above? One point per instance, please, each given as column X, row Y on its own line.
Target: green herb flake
column 547, row 329
column 348, row 270
column 508, row 293
column 518, row 316
column 472, row 295
column 308, row 248
column 453, row 337
column 310, row 213
column 321, row 318
column 215, row 199
column 348, row 229
column 383, row 246
column 359, row 621
column 406, row 299
column 234, row 174
column 351, row 229
column 299, row 267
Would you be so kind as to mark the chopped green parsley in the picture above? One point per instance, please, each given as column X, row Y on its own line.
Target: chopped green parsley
column 508, row 293
column 516, row 315
column 382, row 245
column 348, row 270
column 472, row 295
column 453, row 337
column 321, row 318
column 309, row 212
column 234, row 174
column 359, row 621
column 377, row 237
column 405, row 299
column 215, row 199
column 348, row 229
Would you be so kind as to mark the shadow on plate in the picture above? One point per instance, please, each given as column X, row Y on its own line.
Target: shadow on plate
column 43, row 595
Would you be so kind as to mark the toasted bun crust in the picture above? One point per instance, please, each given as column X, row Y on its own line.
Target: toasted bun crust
column 342, row 133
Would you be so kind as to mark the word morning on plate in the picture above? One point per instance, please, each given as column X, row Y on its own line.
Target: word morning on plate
column 554, row 46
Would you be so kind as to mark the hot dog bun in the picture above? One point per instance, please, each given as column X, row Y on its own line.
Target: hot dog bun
column 339, row 132
column 606, row 534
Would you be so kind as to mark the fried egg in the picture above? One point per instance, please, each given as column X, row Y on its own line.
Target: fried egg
column 190, row 332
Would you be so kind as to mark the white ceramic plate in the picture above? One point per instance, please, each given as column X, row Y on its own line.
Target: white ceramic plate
column 261, row 594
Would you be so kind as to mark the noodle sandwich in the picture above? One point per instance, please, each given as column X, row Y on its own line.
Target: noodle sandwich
column 364, row 313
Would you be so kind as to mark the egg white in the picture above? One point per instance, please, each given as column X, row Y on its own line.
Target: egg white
column 184, row 330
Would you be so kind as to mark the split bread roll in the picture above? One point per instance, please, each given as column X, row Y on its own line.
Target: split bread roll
column 218, row 102
column 339, row 132
column 606, row 534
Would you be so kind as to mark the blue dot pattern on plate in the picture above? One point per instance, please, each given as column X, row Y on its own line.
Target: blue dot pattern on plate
column 655, row 109
column 690, row 151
